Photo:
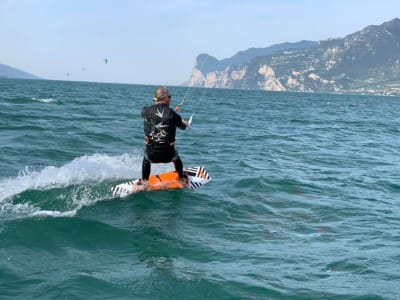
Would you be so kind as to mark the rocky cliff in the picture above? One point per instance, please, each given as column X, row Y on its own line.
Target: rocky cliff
column 366, row 62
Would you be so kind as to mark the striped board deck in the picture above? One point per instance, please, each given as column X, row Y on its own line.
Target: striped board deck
column 196, row 177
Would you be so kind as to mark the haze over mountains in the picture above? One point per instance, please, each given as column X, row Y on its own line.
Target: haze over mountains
column 366, row 62
column 10, row 72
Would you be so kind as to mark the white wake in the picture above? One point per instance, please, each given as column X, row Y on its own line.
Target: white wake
column 87, row 170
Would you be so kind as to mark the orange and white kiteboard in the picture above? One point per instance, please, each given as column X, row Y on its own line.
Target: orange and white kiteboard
column 196, row 177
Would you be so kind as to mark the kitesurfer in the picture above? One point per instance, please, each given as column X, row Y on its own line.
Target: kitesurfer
column 160, row 123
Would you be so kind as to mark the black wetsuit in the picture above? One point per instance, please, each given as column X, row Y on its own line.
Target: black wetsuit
column 160, row 123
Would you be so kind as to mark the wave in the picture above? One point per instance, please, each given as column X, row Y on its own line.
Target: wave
column 66, row 189
column 28, row 99
column 45, row 100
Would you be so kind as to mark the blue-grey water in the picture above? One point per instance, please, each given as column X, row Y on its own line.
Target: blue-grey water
column 304, row 201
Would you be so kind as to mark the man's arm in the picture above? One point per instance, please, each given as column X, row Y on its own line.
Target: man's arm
column 179, row 122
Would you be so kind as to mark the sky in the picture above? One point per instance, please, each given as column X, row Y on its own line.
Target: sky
column 157, row 41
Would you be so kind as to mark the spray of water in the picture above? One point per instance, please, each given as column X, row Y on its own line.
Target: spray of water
column 85, row 173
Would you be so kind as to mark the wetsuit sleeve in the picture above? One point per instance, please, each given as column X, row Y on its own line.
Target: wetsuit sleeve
column 144, row 112
column 146, row 123
column 178, row 121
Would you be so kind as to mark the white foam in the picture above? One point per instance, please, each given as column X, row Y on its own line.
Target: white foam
column 83, row 172
column 80, row 197
column 45, row 100
column 88, row 168
column 17, row 209
column 54, row 213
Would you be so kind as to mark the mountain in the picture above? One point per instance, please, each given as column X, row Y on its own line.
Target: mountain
column 9, row 72
column 366, row 62
column 208, row 63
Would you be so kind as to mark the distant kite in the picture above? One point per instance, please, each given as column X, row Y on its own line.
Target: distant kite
column 105, row 60
column 67, row 74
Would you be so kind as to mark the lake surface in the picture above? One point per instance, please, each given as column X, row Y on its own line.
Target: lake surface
column 304, row 201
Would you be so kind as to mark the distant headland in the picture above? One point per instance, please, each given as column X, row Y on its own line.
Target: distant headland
column 364, row 62
column 10, row 72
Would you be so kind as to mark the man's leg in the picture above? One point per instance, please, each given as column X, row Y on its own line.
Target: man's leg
column 146, row 168
column 178, row 164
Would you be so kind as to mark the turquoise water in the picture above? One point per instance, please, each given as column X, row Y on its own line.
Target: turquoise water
column 304, row 201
